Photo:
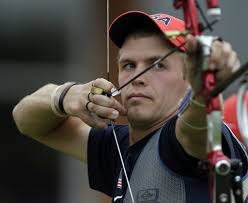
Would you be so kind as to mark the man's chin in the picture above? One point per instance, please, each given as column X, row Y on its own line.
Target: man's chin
column 137, row 116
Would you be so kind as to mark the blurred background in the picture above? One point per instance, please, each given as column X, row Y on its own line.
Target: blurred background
column 53, row 41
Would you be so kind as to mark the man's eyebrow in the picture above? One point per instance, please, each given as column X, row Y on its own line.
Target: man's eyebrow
column 156, row 58
column 124, row 60
column 148, row 60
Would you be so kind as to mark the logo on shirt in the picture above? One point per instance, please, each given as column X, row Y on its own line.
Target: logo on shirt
column 119, row 183
column 118, row 197
column 148, row 195
column 119, row 191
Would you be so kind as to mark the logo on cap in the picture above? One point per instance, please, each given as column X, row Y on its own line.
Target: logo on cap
column 166, row 20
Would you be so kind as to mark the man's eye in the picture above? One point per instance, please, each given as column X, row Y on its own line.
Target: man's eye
column 128, row 66
column 159, row 66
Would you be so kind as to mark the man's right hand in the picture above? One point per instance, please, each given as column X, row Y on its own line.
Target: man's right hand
column 100, row 109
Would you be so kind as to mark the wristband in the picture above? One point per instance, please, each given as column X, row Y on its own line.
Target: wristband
column 190, row 125
column 54, row 103
column 62, row 96
column 197, row 103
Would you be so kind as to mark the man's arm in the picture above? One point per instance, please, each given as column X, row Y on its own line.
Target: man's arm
column 35, row 118
column 193, row 139
column 191, row 127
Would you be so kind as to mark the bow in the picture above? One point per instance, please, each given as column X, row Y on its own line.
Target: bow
column 223, row 172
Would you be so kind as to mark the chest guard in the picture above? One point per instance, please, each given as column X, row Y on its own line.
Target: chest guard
column 152, row 182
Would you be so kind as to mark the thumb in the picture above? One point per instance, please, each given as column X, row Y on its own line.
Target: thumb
column 191, row 44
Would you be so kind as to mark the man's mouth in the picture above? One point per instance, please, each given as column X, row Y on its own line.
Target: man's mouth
column 138, row 96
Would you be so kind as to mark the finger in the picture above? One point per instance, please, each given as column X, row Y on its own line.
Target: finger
column 221, row 52
column 103, row 112
column 94, row 121
column 104, row 84
column 191, row 44
column 222, row 75
column 120, row 108
column 233, row 62
column 193, row 55
column 232, row 65
column 237, row 65
column 215, row 56
column 109, row 102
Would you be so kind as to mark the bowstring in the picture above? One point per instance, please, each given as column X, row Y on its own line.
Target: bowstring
column 122, row 162
column 112, row 124
column 107, row 39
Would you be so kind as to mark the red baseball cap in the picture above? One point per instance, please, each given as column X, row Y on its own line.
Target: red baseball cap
column 121, row 26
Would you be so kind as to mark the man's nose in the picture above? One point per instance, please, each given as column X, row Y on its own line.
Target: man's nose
column 142, row 79
column 138, row 82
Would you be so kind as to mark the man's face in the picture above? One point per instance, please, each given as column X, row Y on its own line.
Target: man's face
column 154, row 95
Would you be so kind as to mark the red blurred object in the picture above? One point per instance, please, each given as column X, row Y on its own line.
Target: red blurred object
column 190, row 15
column 213, row 4
column 230, row 113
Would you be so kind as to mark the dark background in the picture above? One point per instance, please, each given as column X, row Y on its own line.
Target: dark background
column 56, row 41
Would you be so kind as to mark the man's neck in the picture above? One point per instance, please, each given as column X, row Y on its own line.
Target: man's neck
column 138, row 132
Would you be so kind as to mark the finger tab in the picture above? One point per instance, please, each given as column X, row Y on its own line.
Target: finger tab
column 97, row 90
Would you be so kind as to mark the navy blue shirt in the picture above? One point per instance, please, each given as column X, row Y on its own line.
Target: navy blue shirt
column 104, row 163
